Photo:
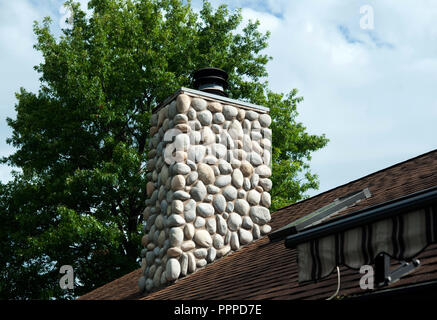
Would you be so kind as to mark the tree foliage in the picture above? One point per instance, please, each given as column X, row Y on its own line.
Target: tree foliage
column 81, row 141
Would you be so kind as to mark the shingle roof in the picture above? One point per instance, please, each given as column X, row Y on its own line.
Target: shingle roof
column 266, row 270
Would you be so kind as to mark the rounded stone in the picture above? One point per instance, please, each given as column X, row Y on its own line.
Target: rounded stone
column 192, row 177
column 201, row 263
column 177, row 206
column 234, row 221
column 198, row 192
column 199, row 222
column 176, row 236
column 218, row 118
column 217, row 241
column 189, row 231
column 245, row 236
column 188, row 245
column 178, row 182
column 211, row 225
column 150, row 187
column 242, row 207
column 230, row 193
column 175, row 220
column 184, row 264
column 230, row 207
column 266, row 184
column 219, row 150
column 219, row 203
column 246, row 184
column 212, row 189
column 265, row 120
column 265, row 229
column 181, row 195
column 252, row 115
column 255, row 159
column 204, row 117
column 174, row 252
column 183, row 103
column 205, row 210
column 180, row 119
column 230, row 112
column 225, row 167
column 263, row 171
column 241, row 114
column 223, row 251
column 142, row 283
column 198, row 104
column 206, row 173
column 190, row 210
column 236, row 130
column 254, row 180
column 212, row 252
column 234, row 242
column 247, row 223
column 260, row 215
column 241, row 194
column 200, row 253
column 173, row 269
column 256, row 231
column 222, row 227
column 266, row 199
column 253, row 197
column 237, row 178
column 223, row 181
column 215, row 107
column 203, row 238
column 207, row 136
column 191, row 114
column 191, row 263
column 149, row 284
column 181, row 168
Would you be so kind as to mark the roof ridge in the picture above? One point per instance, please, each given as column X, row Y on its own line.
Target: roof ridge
column 363, row 177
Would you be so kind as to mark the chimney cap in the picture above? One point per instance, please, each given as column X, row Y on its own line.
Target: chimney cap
column 212, row 80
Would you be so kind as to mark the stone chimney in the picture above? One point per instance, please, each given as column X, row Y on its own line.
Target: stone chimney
column 208, row 192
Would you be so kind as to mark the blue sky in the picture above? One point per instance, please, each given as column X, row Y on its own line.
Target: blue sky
column 371, row 91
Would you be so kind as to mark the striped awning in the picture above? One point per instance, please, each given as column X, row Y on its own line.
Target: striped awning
column 402, row 237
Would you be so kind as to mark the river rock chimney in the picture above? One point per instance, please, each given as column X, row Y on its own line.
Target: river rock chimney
column 208, row 170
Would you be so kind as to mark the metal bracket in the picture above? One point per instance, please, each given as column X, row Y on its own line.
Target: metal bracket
column 383, row 275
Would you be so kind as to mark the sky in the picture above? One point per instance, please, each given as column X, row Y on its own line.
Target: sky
column 367, row 71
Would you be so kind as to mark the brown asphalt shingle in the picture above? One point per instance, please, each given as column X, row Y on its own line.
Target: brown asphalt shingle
column 265, row 270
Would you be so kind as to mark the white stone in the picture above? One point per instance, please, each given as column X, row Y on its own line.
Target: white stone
column 218, row 118
column 173, row 269
column 178, row 182
column 210, row 257
column 213, row 189
column 211, row 225
column 200, row 253
column 265, row 229
column 217, row 241
column 237, row 178
column 188, row 245
column 236, row 130
column 230, row 207
column 206, row 174
column 253, row 197
column 263, row 171
column 219, row 150
column 245, row 236
column 181, row 168
column 266, row 184
column 175, row 221
column 196, row 153
column 203, row 238
column 242, row 207
column 255, row 159
column 234, row 221
column 205, row 117
column 266, row 199
column 252, row 115
column 230, row 112
column 183, row 103
column 174, row 252
column 247, row 223
column 256, row 231
column 201, row 263
column 199, row 222
column 189, row 231
column 198, row 104
column 246, row 184
column 198, row 192
column 184, row 264
column 223, row 251
column 205, row 210
column 192, row 177
column 223, row 181
column 207, row 136
column 234, row 242
column 176, row 236
column 180, row 119
column 254, row 180
column 221, row 225
column 230, row 193
column 265, row 120
column 260, row 215
column 191, row 263
column 190, row 210
column 181, row 195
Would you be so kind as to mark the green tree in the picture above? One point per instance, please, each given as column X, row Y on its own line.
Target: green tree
column 81, row 141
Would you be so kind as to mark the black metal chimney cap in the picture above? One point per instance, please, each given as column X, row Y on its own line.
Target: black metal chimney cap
column 212, row 80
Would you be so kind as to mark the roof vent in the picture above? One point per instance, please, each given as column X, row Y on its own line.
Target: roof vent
column 212, row 80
